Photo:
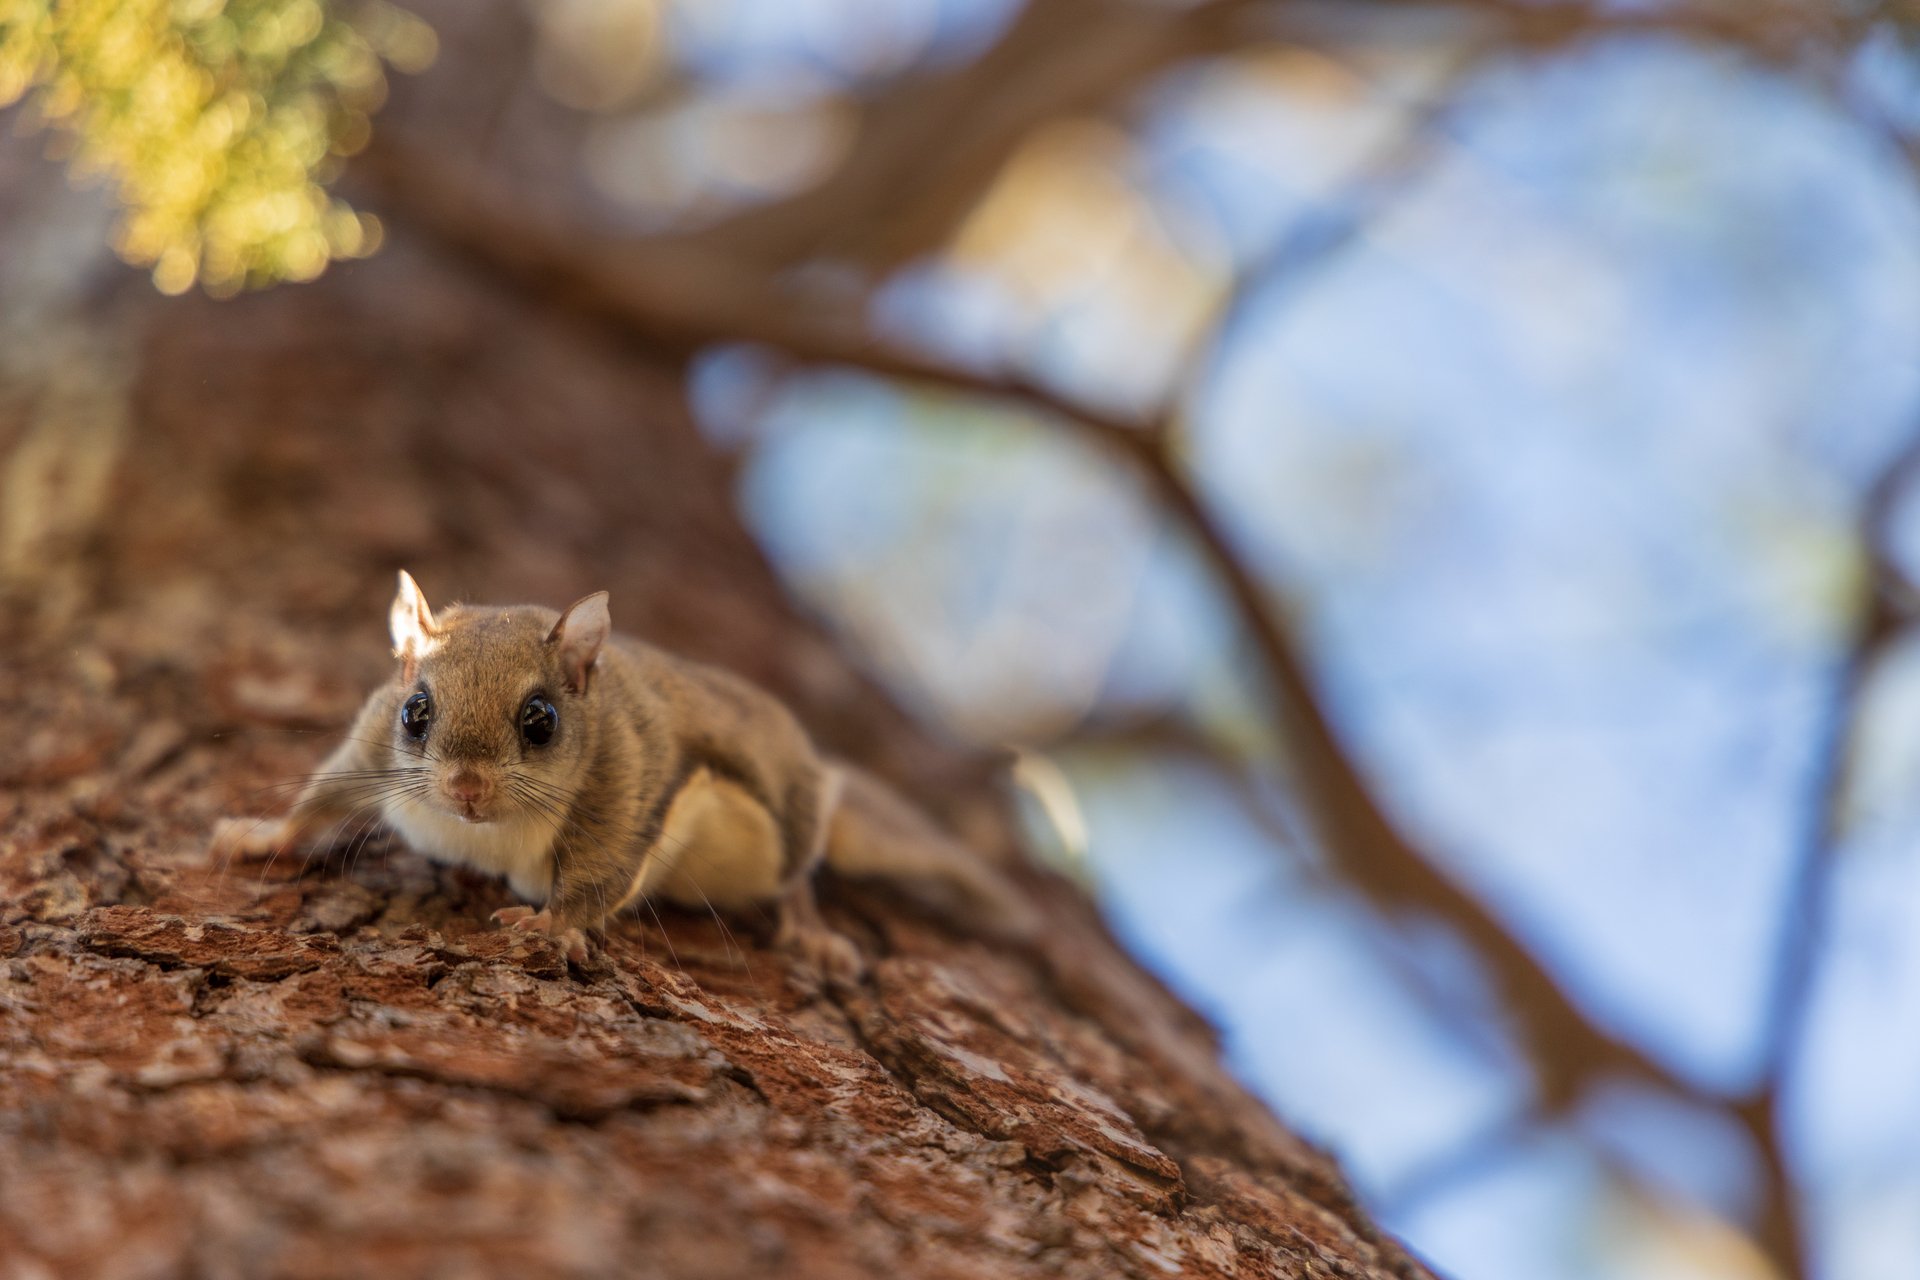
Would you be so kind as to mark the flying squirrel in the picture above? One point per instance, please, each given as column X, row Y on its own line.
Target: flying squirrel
column 593, row 771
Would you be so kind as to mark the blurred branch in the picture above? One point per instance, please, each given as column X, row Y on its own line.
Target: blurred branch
column 1885, row 604
column 1378, row 183
column 669, row 297
column 1567, row 1050
column 926, row 147
column 1780, row 32
column 1474, row 1154
column 1169, row 734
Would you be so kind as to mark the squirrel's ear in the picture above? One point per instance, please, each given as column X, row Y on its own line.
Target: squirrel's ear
column 578, row 636
column 410, row 621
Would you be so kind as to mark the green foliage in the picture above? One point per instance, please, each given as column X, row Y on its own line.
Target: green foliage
column 218, row 121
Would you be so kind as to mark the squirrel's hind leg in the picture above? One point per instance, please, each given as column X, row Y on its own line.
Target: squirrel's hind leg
column 802, row 931
column 810, row 807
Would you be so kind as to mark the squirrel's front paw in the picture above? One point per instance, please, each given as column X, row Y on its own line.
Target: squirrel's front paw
column 572, row 941
column 251, row 839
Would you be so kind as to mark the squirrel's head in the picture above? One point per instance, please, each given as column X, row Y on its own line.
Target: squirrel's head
column 494, row 703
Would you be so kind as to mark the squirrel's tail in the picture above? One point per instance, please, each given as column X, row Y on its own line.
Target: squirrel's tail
column 876, row 832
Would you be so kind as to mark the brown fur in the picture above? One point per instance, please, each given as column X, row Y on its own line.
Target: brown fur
column 577, row 821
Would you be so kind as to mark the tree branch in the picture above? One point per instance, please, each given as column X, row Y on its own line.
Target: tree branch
column 1878, row 622
column 926, row 147
column 1778, row 32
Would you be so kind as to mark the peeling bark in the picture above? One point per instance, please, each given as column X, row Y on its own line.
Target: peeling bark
column 342, row 1068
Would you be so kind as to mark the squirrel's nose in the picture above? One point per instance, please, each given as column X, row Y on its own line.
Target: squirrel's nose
column 468, row 787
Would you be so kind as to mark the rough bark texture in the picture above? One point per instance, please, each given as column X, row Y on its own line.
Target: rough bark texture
column 342, row 1068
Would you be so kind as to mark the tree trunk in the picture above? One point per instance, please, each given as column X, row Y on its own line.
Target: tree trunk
column 343, row 1068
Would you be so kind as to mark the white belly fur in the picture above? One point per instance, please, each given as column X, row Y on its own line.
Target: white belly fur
column 518, row 848
column 719, row 848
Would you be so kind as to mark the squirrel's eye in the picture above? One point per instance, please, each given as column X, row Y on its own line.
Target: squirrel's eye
column 415, row 714
column 538, row 720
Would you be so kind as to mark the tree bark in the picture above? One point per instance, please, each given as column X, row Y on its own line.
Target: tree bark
column 343, row 1068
